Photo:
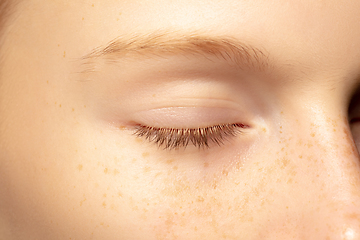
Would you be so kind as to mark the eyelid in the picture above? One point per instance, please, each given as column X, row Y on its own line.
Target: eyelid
column 188, row 117
column 171, row 138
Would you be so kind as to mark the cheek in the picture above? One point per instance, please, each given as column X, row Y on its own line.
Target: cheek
column 151, row 193
column 204, row 196
column 74, row 185
column 233, row 203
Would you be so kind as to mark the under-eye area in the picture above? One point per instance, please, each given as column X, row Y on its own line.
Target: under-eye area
column 173, row 138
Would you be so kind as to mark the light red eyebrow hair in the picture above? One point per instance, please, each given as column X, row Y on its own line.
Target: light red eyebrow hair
column 166, row 44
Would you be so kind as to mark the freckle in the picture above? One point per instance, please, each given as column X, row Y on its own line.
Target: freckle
column 238, row 165
column 312, row 134
column 154, row 95
column 106, row 170
column 169, row 161
column 263, row 129
column 92, row 5
column 145, row 154
column 64, row 54
column 82, row 201
column 83, row 19
column 104, row 204
column 200, row 199
column 120, row 194
column 84, row 106
column 80, row 167
column 73, row 109
column 206, row 164
column 175, row 168
column 300, row 156
column 104, row 195
column 60, row 105
column 284, row 162
column 122, row 127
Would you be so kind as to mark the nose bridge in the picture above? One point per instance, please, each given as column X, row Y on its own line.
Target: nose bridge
column 331, row 161
column 329, row 143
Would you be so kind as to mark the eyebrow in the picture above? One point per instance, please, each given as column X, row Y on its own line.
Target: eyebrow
column 243, row 56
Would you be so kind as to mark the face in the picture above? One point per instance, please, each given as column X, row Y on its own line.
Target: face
column 180, row 120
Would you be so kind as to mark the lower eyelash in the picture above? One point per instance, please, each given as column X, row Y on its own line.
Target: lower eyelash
column 171, row 138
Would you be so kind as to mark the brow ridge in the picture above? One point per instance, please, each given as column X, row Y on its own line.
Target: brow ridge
column 165, row 44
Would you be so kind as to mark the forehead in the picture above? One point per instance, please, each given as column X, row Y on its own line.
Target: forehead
column 321, row 34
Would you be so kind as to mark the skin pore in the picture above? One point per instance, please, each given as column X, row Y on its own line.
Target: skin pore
column 78, row 78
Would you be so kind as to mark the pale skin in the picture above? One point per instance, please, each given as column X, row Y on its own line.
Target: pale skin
column 72, row 168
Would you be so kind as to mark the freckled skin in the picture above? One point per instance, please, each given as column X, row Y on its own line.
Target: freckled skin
column 65, row 174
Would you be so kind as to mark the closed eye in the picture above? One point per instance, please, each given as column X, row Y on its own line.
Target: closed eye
column 173, row 138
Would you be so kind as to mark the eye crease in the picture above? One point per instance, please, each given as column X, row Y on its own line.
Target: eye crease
column 171, row 138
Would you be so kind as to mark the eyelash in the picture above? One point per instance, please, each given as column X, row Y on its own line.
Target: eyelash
column 171, row 138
